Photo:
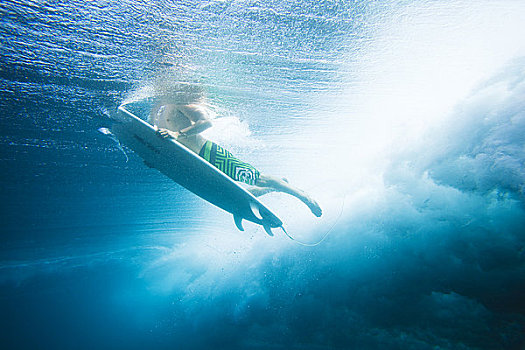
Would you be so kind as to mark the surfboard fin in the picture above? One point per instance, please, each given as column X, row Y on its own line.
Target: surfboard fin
column 104, row 131
column 255, row 211
column 268, row 229
column 238, row 222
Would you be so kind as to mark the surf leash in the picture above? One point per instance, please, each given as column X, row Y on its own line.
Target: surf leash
column 327, row 233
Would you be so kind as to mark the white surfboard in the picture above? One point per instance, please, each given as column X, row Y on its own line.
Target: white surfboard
column 192, row 172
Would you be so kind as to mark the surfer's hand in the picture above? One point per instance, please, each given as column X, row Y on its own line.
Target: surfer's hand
column 164, row 132
column 167, row 133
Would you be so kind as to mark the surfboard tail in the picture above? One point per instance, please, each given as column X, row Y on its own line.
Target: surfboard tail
column 265, row 224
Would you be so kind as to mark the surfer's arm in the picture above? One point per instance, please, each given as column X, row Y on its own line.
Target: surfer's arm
column 196, row 128
column 199, row 120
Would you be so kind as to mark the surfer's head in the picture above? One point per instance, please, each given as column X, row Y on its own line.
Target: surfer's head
column 178, row 90
column 176, row 82
column 181, row 93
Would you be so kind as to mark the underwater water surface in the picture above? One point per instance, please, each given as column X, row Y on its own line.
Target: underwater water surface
column 404, row 119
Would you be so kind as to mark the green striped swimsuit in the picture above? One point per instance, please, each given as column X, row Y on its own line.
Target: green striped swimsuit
column 228, row 164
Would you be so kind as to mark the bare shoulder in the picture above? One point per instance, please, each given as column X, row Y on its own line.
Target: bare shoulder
column 194, row 112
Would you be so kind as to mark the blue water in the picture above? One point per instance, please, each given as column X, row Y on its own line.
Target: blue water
column 404, row 119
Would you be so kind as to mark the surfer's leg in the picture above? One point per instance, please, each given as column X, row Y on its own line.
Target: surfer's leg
column 282, row 185
column 259, row 191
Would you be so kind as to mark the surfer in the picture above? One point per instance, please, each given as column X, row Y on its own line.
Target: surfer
column 185, row 122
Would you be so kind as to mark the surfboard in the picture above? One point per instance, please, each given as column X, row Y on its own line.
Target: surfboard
column 191, row 171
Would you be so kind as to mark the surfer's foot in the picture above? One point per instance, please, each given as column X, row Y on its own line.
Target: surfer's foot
column 314, row 207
